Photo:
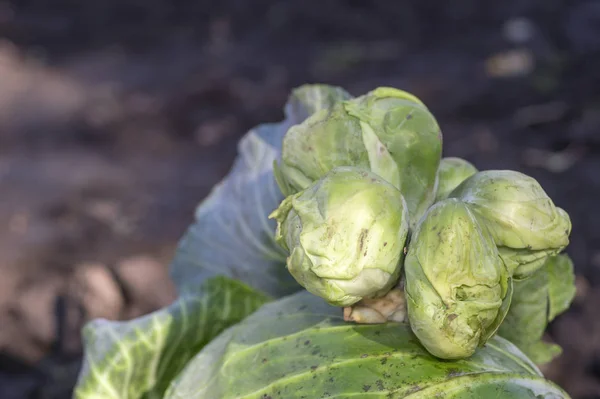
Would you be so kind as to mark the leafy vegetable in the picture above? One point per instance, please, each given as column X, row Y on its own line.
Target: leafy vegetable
column 345, row 234
column 537, row 300
column 299, row 347
column 387, row 131
column 457, row 288
column 523, row 220
column 353, row 174
column 139, row 358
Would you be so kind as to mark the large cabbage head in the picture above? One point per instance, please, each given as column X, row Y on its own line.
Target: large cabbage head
column 457, row 288
column 345, row 235
column 387, row 131
column 523, row 220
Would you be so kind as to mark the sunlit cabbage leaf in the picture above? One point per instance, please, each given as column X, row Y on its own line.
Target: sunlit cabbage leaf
column 300, row 347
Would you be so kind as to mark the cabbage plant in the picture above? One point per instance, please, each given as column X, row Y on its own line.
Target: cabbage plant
column 251, row 321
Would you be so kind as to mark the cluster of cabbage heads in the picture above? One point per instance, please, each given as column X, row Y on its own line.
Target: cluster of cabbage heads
column 371, row 206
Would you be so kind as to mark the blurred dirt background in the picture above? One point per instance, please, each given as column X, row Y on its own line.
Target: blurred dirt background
column 118, row 116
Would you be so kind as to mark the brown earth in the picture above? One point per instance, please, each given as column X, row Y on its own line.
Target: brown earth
column 117, row 117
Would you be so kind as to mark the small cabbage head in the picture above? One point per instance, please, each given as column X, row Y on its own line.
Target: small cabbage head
column 345, row 235
column 387, row 131
column 525, row 223
column 457, row 288
column 451, row 173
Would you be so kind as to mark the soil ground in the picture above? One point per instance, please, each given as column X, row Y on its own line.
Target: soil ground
column 117, row 117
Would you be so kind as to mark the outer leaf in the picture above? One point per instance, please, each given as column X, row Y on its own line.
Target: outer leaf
column 536, row 301
column 298, row 347
column 561, row 285
column 232, row 234
column 526, row 320
column 139, row 358
column 541, row 352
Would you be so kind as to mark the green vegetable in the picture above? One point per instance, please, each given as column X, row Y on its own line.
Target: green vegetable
column 345, row 234
column 358, row 160
column 298, row 347
column 525, row 223
column 457, row 288
column 537, row 300
column 451, row 173
column 387, row 131
column 140, row 358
